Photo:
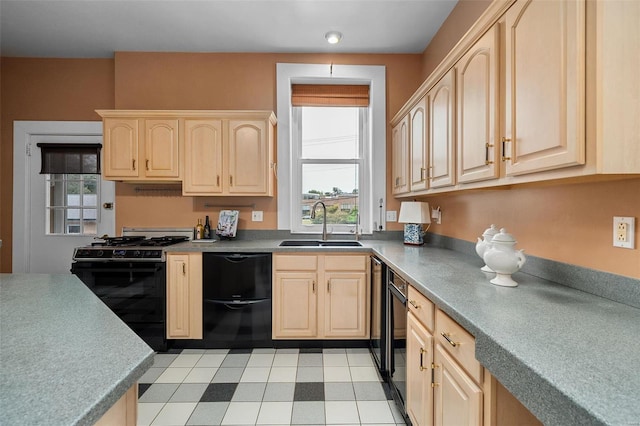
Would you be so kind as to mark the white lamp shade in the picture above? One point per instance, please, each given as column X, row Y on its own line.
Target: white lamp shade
column 414, row 212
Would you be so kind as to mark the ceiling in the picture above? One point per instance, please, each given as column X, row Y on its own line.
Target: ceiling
column 98, row 28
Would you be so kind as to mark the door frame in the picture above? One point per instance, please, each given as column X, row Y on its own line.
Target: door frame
column 23, row 131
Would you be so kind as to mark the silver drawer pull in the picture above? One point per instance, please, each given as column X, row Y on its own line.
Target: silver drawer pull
column 448, row 339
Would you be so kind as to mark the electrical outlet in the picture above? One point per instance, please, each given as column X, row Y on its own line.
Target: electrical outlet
column 392, row 215
column 256, row 216
column 624, row 232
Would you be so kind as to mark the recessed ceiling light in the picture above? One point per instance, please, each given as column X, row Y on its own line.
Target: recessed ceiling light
column 333, row 37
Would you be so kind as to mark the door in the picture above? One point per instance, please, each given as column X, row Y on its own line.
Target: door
column 441, row 132
column 345, row 304
column 294, row 305
column 477, row 119
column 419, row 359
column 161, row 149
column 545, row 85
column 121, row 148
column 184, row 296
column 248, row 157
column 418, row 141
column 400, row 156
column 202, row 157
column 457, row 399
column 35, row 249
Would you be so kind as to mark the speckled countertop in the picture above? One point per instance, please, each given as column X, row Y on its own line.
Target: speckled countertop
column 571, row 357
column 65, row 358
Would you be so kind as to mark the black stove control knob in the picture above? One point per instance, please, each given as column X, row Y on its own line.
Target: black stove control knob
column 137, row 253
column 100, row 253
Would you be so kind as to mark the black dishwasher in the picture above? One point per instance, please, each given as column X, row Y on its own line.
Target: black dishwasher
column 236, row 290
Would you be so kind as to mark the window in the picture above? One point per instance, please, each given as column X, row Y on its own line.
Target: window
column 72, row 179
column 329, row 147
column 366, row 169
column 72, row 204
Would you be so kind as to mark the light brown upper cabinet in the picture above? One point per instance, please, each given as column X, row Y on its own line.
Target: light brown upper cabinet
column 544, row 65
column 211, row 152
column 441, row 131
column 141, row 149
column 419, row 160
column 229, row 156
column 544, row 90
column 400, row 156
column 477, row 87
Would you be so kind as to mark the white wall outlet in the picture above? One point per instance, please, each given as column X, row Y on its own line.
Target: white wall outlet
column 624, row 232
column 436, row 214
column 256, row 216
column 392, row 216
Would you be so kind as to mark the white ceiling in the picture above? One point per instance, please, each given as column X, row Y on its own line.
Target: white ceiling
column 98, row 28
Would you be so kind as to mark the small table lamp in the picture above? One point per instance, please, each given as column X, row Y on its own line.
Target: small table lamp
column 413, row 214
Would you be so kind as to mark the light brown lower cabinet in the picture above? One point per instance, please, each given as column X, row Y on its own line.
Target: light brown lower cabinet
column 124, row 412
column 446, row 385
column 184, row 296
column 320, row 296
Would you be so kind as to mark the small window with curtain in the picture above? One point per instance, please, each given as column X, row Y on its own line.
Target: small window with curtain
column 330, row 154
column 72, row 177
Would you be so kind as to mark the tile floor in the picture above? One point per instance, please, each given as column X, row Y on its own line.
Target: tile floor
column 265, row 387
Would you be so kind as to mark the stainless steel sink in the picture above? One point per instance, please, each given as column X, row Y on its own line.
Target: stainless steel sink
column 320, row 243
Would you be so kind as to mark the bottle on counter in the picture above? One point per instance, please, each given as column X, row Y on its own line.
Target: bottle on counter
column 199, row 230
column 207, row 229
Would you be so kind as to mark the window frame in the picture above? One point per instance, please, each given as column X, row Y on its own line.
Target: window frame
column 375, row 177
column 64, row 180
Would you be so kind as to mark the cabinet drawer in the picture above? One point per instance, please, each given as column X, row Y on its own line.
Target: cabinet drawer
column 345, row 263
column 295, row 263
column 459, row 343
column 421, row 307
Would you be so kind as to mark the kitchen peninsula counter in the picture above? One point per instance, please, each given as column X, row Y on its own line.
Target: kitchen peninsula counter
column 65, row 357
column 569, row 356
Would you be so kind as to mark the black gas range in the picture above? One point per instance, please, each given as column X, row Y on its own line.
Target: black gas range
column 128, row 274
column 127, row 248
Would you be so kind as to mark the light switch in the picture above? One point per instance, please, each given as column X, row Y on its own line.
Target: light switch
column 256, row 216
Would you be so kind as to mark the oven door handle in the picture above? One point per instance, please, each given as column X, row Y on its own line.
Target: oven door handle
column 397, row 293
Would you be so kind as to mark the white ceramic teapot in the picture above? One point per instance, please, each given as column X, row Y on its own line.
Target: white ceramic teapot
column 504, row 259
column 485, row 243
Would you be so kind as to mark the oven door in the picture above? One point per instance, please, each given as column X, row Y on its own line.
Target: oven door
column 397, row 345
column 135, row 291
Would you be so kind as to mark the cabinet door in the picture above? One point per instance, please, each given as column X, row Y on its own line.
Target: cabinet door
column 545, row 85
column 400, row 156
column 345, row 305
column 161, row 149
column 457, row 399
column 418, row 142
column 120, row 149
column 202, row 157
column 419, row 360
column 294, row 305
column 441, row 132
column 184, row 296
column 477, row 89
column 248, row 157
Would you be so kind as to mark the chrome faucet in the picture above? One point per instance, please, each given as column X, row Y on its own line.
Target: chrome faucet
column 324, row 218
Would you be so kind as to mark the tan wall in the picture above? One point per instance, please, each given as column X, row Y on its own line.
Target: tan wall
column 463, row 15
column 71, row 89
column 45, row 89
column 567, row 223
column 225, row 81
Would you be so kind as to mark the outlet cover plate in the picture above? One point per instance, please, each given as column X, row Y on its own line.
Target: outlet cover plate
column 392, row 215
column 624, row 232
column 256, row 216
